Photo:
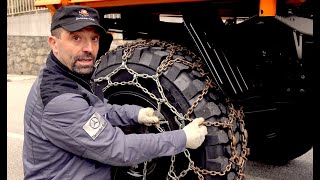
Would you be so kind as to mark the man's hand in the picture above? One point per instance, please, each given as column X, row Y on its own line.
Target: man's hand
column 147, row 117
column 195, row 133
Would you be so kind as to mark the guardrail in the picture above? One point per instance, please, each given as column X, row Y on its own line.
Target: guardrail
column 16, row 7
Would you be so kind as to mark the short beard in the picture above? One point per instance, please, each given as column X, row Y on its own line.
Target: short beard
column 86, row 70
column 83, row 70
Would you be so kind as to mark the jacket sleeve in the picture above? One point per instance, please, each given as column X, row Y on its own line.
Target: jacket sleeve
column 121, row 115
column 71, row 124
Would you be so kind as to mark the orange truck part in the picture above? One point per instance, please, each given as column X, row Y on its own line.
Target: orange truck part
column 108, row 3
column 52, row 5
column 266, row 7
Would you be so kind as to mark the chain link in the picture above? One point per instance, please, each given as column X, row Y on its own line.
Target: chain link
column 145, row 170
column 234, row 114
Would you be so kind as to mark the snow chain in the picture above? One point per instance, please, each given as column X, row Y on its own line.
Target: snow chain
column 236, row 159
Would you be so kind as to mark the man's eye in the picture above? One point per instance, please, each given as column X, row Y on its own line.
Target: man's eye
column 76, row 38
column 95, row 38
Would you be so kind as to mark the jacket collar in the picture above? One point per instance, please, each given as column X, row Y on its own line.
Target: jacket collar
column 56, row 65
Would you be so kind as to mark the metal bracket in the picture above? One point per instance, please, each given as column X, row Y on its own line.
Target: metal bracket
column 298, row 43
column 207, row 36
column 303, row 25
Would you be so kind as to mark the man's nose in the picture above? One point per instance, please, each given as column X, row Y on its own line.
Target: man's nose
column 88, row 46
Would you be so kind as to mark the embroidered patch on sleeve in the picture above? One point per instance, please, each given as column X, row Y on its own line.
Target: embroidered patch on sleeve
column 95, row 125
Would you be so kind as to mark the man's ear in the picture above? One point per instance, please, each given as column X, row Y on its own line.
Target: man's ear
column 52, row 41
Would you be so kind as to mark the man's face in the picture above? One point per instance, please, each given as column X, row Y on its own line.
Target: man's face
column 77, row 50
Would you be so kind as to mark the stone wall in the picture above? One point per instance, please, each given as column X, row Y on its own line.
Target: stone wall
column 26, row 54
column 27, row 47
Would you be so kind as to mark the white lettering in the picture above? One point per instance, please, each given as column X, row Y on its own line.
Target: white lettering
column 85, row 18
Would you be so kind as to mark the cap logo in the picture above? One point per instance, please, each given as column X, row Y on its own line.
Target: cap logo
column 83, row 12
column 84, row 15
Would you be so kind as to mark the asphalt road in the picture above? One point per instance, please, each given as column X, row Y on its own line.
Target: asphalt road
column 18, row 87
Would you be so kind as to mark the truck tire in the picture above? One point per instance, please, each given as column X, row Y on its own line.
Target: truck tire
column 224, row 152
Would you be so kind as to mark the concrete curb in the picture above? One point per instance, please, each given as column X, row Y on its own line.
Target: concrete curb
column 17, row 77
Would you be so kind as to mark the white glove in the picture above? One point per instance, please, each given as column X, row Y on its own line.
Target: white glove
column 147, row 117
column 195, row 133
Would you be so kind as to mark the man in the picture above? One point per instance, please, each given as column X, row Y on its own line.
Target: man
column 70, row 133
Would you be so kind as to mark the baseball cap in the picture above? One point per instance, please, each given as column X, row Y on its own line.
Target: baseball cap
column 75, row 17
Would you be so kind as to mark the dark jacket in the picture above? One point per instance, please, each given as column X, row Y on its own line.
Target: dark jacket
column 69, row 133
